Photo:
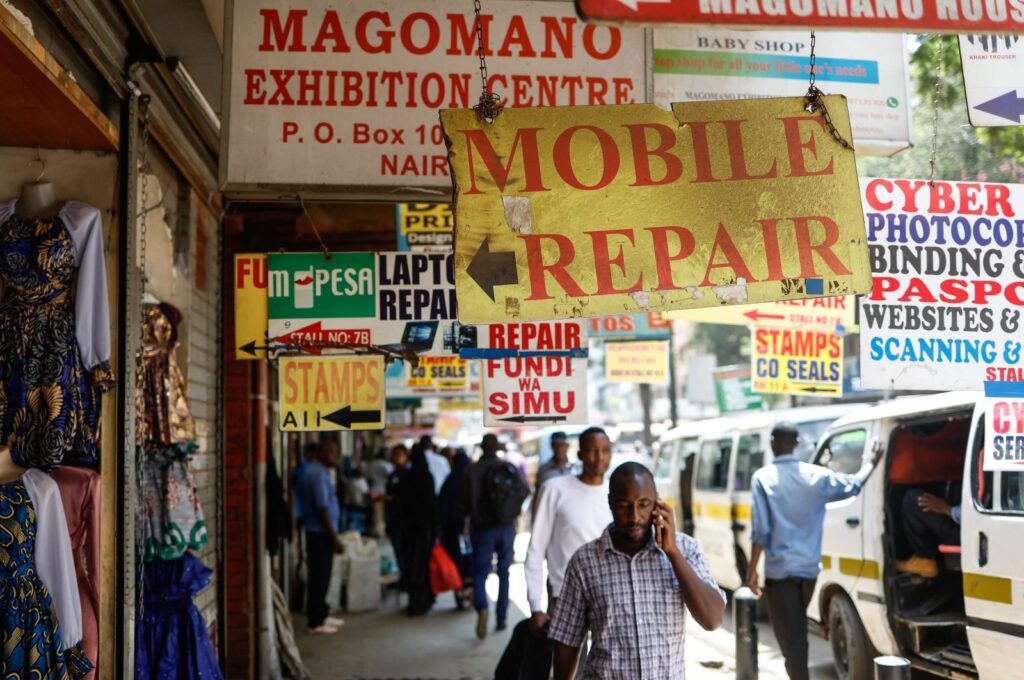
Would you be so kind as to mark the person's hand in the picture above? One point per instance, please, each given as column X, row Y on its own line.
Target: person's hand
column 932, row 503
column 753, row 580
column 537, row 622
column 665, row 527
column 339, row 547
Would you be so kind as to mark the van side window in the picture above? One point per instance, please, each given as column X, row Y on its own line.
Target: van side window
column 843, row 452
column 996, row 492
column 713, row 464
column 663, row 468
column 749, row 457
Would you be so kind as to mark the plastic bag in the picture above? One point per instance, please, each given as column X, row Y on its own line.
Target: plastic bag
column 444, row 574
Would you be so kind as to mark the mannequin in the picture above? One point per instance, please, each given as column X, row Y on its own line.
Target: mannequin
column 37, row 200
column 9, row 470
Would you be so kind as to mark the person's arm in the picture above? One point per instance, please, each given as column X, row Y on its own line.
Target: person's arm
column 570, row 624
column 704, row 600
column 760, row 534
column 566, row 659
column 322, row 493
column 932, row 503
column 540, row 539
column 753, row 577
column 836, row 486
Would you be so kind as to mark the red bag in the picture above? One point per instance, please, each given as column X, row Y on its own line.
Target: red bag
column 444, row 574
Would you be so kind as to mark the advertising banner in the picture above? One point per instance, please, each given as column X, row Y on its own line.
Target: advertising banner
column 993, row 67
column 790, row 361
column 704, row 63
column 827, row 313
column 911, row 16
column 331, row 393
column 535, row 391
column 250, row 305
column 649, row 326
column 435, row 376
column 704, row 198
column 945, row 310
column 425, row 227
column 644, row 361
column 505, row 340
column 732, row 387
column 342, row 97
column 1004, row 430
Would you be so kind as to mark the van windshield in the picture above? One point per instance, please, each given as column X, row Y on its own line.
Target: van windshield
column 809, row 433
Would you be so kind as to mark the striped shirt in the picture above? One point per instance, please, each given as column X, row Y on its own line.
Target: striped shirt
column 633, row 606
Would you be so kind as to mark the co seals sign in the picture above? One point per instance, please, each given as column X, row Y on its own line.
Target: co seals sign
column 790, row 361
column 947, row 305
column 1004, row 429
column 715, row 203
column 331, row 393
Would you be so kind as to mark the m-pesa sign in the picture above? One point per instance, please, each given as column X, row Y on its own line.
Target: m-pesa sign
column 921, row 16
column 589, row 211
column 343, row 96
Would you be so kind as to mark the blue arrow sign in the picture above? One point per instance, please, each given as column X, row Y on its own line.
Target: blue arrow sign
column 1008, row 106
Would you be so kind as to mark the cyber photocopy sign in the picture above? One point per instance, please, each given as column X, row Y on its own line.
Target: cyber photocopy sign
column 1004, row 430
column 947, row 303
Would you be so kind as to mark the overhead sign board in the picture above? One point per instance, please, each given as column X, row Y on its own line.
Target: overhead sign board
column 591, row 211
column 331, row 393
column 912, row 16
column 250, row 305
column 827, row 313
column 732, row 387
column 531, row 338
column 432, row 377
column 425, row 227
column 643, row 361
column 327, row 97
column 1004, row 427
column 993, row 67
column 945, row 311
column 704, row 63
column 792, row 361
column 649, row 326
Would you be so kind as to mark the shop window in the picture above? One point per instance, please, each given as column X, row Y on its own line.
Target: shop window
column 713, row 464
column 749, row 457
column 843, row 452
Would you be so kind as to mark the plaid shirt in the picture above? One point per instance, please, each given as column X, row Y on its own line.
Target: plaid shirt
column 633, row 606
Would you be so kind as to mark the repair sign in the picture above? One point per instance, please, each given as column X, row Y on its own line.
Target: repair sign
column 793, row 361
column 637, row 362
column 331, row 393
column 592, row 211
column 250, row 305
column 567, row 338
column 914, row 16
column 1004, row 430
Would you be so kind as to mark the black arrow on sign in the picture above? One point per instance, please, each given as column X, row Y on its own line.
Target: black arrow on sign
column 250, row 348
column 815, row 388
column 490, row 269
column 532, row 419
column 345, row 417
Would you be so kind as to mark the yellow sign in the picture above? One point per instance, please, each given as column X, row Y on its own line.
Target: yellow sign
column 331, row 393
column 826, row 313
column 598, row 210
column 425, row 227
column 445, row 374
column 250, row 305
column 797, row 361
column 637, row 362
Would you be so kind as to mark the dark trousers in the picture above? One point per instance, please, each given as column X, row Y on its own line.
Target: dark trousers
column 319, row 561
column 787, row 606
column 487, row 542
column 927, row 530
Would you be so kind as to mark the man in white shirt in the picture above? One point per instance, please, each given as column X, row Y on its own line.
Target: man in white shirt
column 572, row 511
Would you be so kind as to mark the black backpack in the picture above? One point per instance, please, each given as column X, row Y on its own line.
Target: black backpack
column 504, row 492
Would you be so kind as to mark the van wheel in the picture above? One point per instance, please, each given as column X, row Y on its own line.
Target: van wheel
column 851, row 649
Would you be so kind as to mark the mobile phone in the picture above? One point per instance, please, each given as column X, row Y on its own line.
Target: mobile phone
column 659, row 531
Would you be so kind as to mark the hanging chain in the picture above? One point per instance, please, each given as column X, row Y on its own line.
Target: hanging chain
column 490, row 103
column 939, row 77
column 814, row 100
column 316, row 232
column 143, row 216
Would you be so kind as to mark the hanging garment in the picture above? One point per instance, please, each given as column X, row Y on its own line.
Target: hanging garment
column 54, row 351
column 162, row 414
column 171, row 640
column 80, row 493
column 172, row 517
column 32, row 643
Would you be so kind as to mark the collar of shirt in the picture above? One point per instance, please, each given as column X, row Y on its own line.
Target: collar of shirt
column 788, row 458
column 608, row 546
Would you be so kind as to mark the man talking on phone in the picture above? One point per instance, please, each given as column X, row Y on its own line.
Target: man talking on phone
column 631, row 588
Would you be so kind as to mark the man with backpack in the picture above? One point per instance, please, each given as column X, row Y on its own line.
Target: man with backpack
column 493, row 493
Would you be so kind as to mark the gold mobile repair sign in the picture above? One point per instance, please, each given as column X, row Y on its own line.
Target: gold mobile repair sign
column 586, row 211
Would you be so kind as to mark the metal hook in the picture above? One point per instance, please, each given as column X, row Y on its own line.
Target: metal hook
column 39, row 159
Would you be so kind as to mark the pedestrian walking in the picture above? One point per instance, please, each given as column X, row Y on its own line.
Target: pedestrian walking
column 452, row 522
column 789, row 509
column 631, row 588
column 493, row 493
column 439, row 466
column 320, row 514
column 392, row 512
column 558, row 466
column 418, row 509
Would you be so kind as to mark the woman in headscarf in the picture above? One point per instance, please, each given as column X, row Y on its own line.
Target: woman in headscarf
column 452, row 520
column 418, row 509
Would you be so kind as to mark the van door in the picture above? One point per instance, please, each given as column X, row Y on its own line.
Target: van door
column 666, row 476
column 750, row 456
column 712, row 508
column 991, row 527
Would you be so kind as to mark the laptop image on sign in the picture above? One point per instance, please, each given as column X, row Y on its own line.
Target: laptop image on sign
column 418, row 337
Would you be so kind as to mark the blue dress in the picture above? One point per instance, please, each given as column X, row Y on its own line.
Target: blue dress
column 30, row 639
column 171, row 640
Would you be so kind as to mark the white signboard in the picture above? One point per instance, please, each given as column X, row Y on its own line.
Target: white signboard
column 994, row 79
column 947, row 308
column 702, row 63
column 1004, row 427
column 332, row 96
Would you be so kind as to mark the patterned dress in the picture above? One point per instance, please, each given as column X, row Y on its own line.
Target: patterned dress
column 54, row 348
column 30, row 637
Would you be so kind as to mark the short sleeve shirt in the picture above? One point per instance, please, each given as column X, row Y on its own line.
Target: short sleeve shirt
column 317, row 493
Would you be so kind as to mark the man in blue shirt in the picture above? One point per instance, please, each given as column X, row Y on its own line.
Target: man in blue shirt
column 789, row 509
column 320, row 512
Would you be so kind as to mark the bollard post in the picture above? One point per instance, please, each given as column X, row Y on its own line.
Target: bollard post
column 744, row 617
column 892, row 668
